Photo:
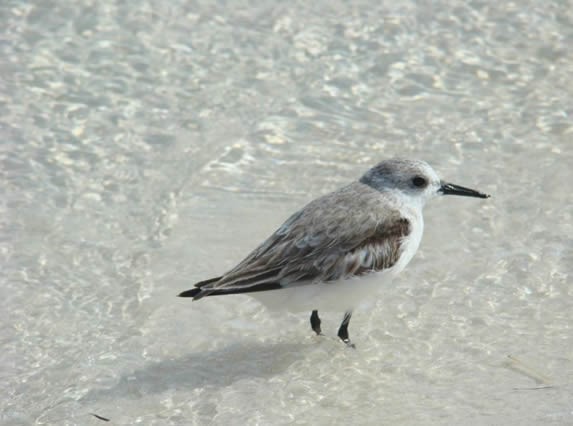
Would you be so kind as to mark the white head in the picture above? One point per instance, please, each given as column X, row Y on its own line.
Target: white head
column 413, row 178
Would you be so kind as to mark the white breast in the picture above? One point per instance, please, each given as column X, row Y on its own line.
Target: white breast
column 410, row 243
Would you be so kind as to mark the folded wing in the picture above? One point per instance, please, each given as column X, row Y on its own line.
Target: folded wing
column 320, row 243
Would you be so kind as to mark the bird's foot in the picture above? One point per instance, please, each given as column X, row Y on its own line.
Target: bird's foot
column 315, row 323
column 348, row 343
column 343, row 330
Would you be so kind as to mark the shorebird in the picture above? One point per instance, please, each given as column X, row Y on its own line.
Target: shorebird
column 341, row 247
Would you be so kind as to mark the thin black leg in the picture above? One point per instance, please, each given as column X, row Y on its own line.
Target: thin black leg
column 315, row 322
column 343, row 330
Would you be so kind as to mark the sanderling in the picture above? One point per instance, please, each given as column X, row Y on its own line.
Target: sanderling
column 338, row 249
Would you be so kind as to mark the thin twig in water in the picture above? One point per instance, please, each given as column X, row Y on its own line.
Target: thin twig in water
column 100, row 417
column 535, row 388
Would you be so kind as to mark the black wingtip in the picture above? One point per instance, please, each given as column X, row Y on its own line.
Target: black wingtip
column 198, row 292
column 190, row 293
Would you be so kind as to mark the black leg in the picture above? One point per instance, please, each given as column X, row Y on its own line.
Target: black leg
column 343, row 330
column 315, row 322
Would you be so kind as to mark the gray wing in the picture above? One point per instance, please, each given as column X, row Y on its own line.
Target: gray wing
column 346, row 233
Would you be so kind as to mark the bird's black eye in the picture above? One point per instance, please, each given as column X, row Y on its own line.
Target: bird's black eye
column 419, row 182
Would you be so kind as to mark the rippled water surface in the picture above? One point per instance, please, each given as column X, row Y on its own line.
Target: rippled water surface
column 147, row 145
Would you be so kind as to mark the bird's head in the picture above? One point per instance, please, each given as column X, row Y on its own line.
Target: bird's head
column 413, row 178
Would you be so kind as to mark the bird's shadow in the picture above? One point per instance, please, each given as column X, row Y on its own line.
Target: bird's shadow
column 218, row 368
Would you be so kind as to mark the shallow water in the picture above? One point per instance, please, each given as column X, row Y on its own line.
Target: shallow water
column 147, row 145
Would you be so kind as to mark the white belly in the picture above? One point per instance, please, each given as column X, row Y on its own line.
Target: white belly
column 410, row 244
column 335, row 296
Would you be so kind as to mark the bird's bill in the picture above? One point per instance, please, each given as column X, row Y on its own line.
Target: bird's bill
column 451, row 189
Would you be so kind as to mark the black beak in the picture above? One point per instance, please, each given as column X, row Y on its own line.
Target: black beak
column 451, row 189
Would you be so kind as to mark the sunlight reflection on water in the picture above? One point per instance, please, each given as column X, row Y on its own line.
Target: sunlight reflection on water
column 149, row 146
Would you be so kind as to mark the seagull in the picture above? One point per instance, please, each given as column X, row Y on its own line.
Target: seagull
column 339, row 249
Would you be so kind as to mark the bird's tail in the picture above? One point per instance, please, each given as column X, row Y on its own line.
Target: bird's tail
column 198, row 292
column 194, row 292
column 202, row 289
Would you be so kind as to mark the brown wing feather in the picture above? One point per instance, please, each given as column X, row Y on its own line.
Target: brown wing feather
column 345, row 233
